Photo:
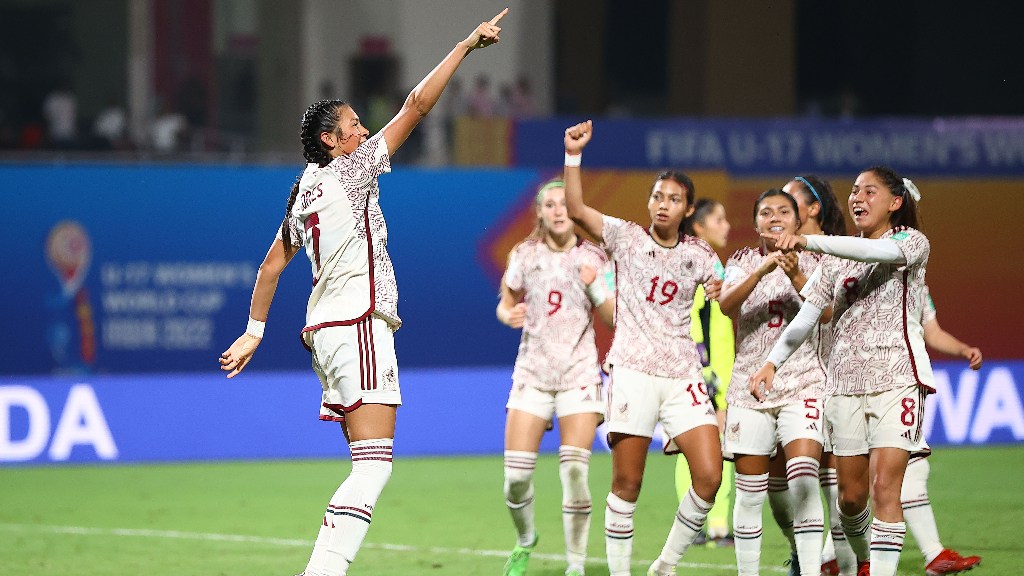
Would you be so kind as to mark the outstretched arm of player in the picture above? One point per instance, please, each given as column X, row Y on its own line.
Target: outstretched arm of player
column 511, row 309
column 426, row 93
column 235, row 358
column 849, row 247
column 792, row 337
column 576, row 138
column 941, row 341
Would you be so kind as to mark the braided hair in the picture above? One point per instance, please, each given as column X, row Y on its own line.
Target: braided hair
column 321, row 116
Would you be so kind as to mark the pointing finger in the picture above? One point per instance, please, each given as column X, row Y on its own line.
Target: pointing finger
column 499, row 16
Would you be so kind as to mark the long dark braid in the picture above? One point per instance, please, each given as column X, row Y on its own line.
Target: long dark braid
column 321, row 116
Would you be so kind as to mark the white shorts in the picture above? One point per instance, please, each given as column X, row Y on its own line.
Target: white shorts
column 890, row 419
column 638, row 401
column 548, row 404
column 757, row 432
column 356, row 365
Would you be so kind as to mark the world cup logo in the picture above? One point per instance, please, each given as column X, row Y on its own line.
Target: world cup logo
column 69, row 253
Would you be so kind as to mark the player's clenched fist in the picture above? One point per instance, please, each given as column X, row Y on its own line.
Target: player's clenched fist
column 576, row 137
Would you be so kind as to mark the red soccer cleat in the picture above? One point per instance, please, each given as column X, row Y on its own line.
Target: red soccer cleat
column 830, row 568
column 950, row 562
column 864, row 568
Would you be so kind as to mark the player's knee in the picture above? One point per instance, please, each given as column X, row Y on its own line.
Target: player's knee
column 519, row 467
column 627, row 486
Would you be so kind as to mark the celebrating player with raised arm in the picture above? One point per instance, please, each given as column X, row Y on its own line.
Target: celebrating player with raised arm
column 333, row 211
column 878, row 373
column 655, row 367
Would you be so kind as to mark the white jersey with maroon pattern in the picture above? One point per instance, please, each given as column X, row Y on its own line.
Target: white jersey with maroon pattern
column 339, row 221
column 878, row 340
column 558, row 350
column 654, row 296
column 763, row 316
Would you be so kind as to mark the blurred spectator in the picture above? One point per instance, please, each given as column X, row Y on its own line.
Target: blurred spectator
column 481, row 103
column 522, row 99
column 169, row 131
column 60, row 109
column 109, row 129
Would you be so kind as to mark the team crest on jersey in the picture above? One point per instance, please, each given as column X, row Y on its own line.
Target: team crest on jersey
column 390, row 381
column 733, row 432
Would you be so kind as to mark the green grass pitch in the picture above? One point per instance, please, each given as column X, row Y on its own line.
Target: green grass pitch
column 437, row 516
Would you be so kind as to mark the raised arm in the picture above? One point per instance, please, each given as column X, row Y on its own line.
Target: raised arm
column 426, row 93
column 576, row 138
column 235, row 358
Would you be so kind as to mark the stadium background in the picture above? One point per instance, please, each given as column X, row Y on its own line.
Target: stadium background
column 127, row 271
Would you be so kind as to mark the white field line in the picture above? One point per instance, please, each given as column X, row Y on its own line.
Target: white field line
column 213, row 537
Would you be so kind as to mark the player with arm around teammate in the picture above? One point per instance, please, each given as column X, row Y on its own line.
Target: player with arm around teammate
column 655, row 367
column 333, row 211
column 763, row 297
column 551, row 289
column 878, row 373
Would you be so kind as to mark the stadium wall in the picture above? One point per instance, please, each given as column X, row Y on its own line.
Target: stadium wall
column 261, row 415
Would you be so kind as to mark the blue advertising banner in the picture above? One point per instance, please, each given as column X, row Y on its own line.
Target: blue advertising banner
column 960, row 147
column 150, row 269
column 139, row 418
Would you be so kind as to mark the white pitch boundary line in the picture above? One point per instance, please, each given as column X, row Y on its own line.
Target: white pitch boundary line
column 214, row 537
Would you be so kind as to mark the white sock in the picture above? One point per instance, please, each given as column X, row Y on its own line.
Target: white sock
column 856, row 530
column 690, row 517
column 747, row 523
column 573, row 465
column 917, row 509
column 836, row 547
column 519, row 467
column 781, row 503
column 808, row 513
column 618, row 534
column 886, row 545
column 348, row 515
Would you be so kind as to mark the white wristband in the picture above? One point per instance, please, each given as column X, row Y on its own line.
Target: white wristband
column 596, row 293
column 255, row 328
column 573, row 160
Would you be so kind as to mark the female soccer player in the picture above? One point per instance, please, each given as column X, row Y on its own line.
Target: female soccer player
column 878, row 372
column 712, row 331
column 917, row 507
column 819, row 214
column 333, row 211
column 761, row 291
column 655, row 366
column 550, row 289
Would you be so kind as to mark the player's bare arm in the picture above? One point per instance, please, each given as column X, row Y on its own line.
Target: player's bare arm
column 511, row 310
column 576, row 138
column 426, row 93
column 735, row 293
column 237, row 356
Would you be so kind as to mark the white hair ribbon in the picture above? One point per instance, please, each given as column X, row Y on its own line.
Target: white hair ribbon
column 912, row 189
